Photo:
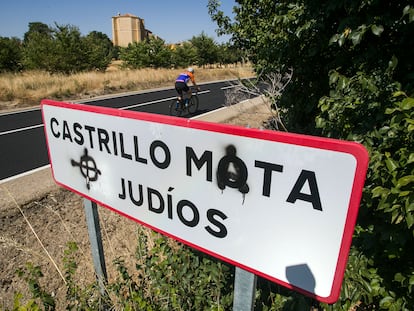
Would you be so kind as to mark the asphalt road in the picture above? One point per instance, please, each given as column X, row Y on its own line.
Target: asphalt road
column 23, row 144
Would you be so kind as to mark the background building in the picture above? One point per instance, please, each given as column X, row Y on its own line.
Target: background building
column 127, row 29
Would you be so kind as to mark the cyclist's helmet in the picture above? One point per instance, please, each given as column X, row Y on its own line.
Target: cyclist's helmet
column 190, row 69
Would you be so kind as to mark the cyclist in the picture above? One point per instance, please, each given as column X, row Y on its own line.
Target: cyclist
column 181, row 83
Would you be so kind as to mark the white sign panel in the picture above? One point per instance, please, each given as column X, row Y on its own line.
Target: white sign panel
column 282, row 206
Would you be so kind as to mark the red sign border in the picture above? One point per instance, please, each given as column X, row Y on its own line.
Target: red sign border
column 355, row 149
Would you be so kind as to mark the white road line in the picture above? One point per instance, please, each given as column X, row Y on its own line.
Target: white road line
column 19, row 111
column 122, row 108
column 156, row 101
column 147, row 103
column 21, row 129
column 227, row 87
column 48, row 166
column 41, row 125
column 25, row 174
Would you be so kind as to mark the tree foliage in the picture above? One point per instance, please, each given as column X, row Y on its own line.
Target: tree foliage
column 10, row 54
column 37, row 49
column 184, row 55
column 373, row 110
column 229, row 54
column 201, row 50
column 136, row 55
column 39, row 28
column 353, row 79
column 283, row 34
column 63, row 49
column 149, row 53
column 99, row 50
column 69, row 53
column 206, row 49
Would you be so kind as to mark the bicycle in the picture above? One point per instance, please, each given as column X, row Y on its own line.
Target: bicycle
column 178, row 107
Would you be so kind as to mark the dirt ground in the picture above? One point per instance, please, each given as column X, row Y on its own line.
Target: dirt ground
column 38, row 219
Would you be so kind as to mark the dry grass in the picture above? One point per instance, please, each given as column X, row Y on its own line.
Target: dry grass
column 29, row 88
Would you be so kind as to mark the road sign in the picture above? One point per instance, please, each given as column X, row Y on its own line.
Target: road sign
column 282, row 206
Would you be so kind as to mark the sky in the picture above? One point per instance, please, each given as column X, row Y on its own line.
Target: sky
column 173, row 21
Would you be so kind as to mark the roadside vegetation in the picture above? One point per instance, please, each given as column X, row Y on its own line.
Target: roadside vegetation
column 352, row 78
column 59, row 63
column 27, row 89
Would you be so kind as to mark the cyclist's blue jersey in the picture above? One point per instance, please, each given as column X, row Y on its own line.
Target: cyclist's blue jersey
column 185, row 77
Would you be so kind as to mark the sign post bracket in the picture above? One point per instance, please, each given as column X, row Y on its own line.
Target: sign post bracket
column 244, row 290
column 95, row 239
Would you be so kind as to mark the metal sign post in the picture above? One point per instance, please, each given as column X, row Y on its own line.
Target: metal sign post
column 95, row 238
column 244, row 290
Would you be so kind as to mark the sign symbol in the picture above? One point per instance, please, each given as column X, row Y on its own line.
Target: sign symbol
column 232, row 172
column 88, row 168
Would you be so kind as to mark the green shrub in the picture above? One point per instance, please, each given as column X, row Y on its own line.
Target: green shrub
column 371, row 109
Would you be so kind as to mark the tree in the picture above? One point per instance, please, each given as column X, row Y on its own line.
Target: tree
column 38, row 28
column 285, row 34
column 99, row 50
column 136, row 55
column 37, row 51
column 206, row 49
column 281, row 35
column 149, row 53
column 159, row 53
column 54, row 50
column 10, row 54
column 63, row 49
column 184, row 54
column 70, row 55
column 352, row 79
column 229, row 54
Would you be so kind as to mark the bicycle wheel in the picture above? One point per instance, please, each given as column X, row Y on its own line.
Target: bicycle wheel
column 193, row 106
column 175, row 108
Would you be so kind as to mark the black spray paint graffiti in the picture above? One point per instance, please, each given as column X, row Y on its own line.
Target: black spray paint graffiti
column 232, row 172
column 88, row 168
